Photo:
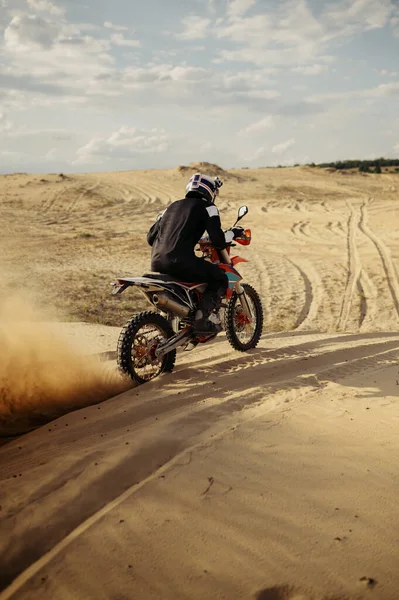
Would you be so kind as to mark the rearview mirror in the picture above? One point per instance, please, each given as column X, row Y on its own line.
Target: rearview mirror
column 242, row 211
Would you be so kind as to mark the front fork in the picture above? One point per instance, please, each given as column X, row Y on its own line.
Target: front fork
column 240, row 291
column 238, row 288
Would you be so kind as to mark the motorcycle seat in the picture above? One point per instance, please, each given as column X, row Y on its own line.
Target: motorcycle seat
column 169, row 279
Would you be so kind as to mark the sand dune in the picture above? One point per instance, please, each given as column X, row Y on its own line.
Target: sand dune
column 268, row 475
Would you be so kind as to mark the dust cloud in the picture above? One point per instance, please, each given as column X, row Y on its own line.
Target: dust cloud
column 42, row 374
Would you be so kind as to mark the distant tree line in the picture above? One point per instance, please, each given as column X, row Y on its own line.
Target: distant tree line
column 365, row 166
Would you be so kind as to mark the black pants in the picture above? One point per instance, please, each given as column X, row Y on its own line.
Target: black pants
column 197, row 270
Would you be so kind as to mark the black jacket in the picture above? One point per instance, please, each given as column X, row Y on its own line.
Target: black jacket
column 176, row 232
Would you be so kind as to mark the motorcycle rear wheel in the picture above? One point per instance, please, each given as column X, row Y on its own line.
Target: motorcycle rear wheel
column 137, row 343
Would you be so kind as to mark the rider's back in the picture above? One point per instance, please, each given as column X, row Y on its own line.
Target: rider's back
column 178, row 231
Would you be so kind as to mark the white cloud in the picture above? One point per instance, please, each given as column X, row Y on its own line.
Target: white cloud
column 241, row 30
column 385, row 73
column 76, row 29
column 258, row 127
column 58, row 135
column 383, row 90
column 211, row 6
column 46, row 6
column 122, row 144
column 5, row 124
column 52, row 61
column 396, row 148
column 351, row 15
column 12, row 154
column 315, row 69
column 118, row 39
column 283, row 147
column 251, row 83
column 238, row 8
column 162, row 74
column 258, row 153
column 195, row 28
column 250, row 77
column 109, row 25
column 166, row 83
column 289, row 34
column 27, row 31
column 35, row 144
column 263, row 94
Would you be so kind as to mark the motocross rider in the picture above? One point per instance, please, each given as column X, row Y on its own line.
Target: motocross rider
column 173, row 238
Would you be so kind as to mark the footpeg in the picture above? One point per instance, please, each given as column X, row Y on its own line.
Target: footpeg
column 173, row 342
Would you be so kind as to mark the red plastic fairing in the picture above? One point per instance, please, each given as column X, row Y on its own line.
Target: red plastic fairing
column 245, row 241
column 230, row 269
column 237, row 259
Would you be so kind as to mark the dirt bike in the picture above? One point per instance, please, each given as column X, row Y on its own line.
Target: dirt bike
column 147, row 343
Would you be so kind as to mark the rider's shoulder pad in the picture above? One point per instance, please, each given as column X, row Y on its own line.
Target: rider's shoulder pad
column 212, row 211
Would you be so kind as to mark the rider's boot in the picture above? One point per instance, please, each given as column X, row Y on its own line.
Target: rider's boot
column 207, row 318
column 206, row 324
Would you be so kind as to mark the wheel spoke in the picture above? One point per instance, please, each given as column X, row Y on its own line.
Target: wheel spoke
column 146, row 364
column 245, row 328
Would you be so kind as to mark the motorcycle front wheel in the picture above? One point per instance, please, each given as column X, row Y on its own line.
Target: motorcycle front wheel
column 137, row 343
column 242, row 333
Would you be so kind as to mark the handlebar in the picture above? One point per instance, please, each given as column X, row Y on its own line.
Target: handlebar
column 208, row 249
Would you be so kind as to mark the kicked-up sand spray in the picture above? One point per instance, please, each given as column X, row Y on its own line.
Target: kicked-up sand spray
column 42, row 374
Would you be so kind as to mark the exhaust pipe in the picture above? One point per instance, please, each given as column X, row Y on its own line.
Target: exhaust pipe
column 166, row 304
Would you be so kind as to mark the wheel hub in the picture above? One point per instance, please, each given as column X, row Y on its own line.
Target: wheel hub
column 242, row 319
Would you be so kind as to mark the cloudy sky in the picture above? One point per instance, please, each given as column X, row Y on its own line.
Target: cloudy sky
column 94, row 85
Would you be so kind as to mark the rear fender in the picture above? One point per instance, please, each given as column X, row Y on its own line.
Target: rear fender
column 146, row 285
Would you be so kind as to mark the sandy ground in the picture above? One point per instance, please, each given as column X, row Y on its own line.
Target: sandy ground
column 268, row 475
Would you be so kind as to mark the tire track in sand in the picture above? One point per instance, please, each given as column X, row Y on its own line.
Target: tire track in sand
column 86, row 192
column 357, row 279
column 354, row 270
column 264, row 285
column 313, row 293
column 385, row 255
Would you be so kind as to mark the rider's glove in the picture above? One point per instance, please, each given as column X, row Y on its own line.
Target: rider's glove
column 237, row 231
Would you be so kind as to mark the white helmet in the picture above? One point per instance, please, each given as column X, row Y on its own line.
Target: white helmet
column 203, row 186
